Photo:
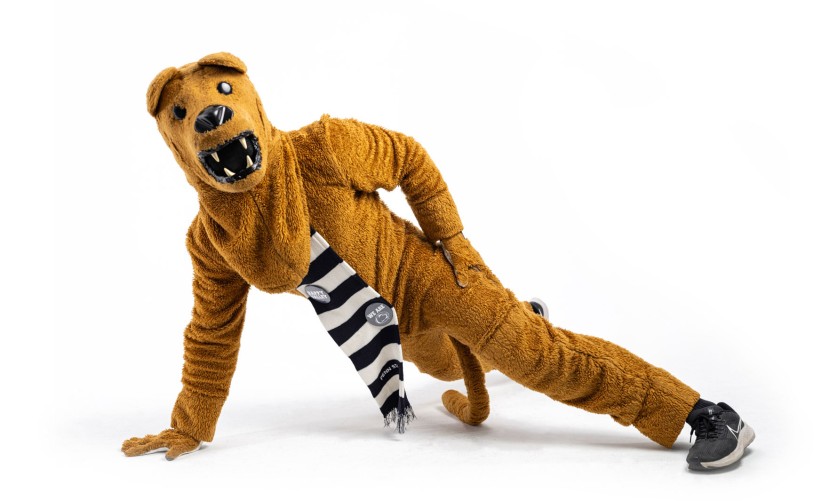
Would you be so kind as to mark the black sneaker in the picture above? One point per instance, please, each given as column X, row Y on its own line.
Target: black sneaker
column 721, row 437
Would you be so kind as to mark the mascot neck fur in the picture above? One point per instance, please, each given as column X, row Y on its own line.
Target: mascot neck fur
column 263, row 233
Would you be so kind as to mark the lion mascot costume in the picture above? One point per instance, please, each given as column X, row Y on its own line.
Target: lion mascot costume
column 300, row 212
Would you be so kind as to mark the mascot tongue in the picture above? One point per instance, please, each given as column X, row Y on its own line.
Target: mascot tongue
column 263, row 233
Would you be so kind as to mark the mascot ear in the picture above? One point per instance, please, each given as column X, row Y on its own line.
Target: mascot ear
column 223, row 59
column 155, row 89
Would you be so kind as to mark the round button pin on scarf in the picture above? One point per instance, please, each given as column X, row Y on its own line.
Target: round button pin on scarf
column 378, row 314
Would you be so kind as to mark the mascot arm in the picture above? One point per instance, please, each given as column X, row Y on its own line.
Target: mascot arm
column 371, row 157
column 212, row 343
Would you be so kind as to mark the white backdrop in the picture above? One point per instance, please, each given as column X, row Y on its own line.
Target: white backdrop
column 664, row 156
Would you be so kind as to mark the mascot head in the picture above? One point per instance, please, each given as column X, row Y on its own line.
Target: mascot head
column 253, row 204
column 211, row 117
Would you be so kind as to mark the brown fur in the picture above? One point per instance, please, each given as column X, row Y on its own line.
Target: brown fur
column 256, row 232
column 474, row 408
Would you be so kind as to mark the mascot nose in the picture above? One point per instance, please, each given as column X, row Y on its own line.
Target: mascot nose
column 212, row 117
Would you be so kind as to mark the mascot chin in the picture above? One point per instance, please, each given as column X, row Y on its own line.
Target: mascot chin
column 299, row 212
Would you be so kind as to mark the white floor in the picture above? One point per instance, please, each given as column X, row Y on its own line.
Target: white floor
column 289, row 448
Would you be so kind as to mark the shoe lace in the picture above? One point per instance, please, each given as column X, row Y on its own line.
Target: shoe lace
column 706, row 427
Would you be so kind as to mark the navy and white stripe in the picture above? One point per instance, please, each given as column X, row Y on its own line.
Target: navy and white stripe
column 374, row 348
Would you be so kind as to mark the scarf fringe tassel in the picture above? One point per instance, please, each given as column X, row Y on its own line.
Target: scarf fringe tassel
column 399, row 417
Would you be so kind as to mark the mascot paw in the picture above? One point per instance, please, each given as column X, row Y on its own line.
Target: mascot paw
column 174, row 443
column 465, row 260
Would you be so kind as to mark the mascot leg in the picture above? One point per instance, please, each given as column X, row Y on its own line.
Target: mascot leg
column 579, row 370
column 433, row 353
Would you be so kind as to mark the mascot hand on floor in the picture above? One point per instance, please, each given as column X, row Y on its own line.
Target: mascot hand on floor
column 299, row 212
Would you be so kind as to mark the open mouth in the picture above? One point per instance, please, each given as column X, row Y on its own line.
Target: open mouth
column 233, row 160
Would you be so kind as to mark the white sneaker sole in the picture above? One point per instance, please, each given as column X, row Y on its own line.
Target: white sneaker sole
column 746, row 436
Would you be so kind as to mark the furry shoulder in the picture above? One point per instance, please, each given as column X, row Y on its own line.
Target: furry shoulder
column 314, row 148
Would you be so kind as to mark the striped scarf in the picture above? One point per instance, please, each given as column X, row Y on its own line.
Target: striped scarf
column 364, row 326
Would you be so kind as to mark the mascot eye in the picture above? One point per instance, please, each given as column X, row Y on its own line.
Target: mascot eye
column 179, row 113
column 224, row 88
